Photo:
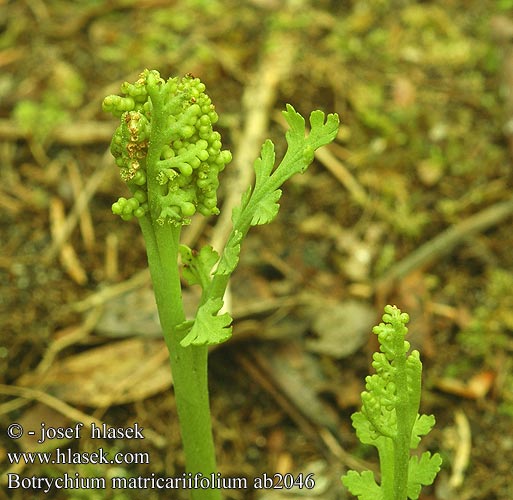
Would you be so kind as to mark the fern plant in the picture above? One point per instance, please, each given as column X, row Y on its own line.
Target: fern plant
column 389, row 418
column 170, row 158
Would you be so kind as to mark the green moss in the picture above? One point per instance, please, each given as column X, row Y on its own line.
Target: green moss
column 491, row 327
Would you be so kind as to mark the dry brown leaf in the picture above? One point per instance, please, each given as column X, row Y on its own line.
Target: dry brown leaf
column 116, row 373
column 341, row 328
column 134, row 313
column 31, row 420
column 298, row 375
column 69, row 258
column 475, row 388
column 404, row 92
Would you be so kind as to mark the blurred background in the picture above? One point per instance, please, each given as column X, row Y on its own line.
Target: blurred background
column 411, row 205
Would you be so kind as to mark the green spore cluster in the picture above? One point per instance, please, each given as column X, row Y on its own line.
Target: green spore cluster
column 166, row 148
column 380, row 398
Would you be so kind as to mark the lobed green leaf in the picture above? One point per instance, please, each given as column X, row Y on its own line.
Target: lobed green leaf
column 209, row 327
column 363, row 485
column 422, row 472
column 197, row 268
column 231, row 255
column 259, row 205
column 267, row 209
column 264, row 164
column 422, row 426
column 301, row 148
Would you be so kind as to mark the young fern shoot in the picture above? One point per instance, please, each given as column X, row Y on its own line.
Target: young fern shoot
column 170, row 158
column 389, row 418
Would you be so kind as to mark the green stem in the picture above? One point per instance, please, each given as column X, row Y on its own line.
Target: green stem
column 386, row 464
column 188, row 365
column 404, row 423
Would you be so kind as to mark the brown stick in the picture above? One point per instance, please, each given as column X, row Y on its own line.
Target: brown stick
column 73, row 134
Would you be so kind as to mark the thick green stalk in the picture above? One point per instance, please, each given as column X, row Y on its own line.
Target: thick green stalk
column 189, row 364
column 404, row 428
column 386, row 464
